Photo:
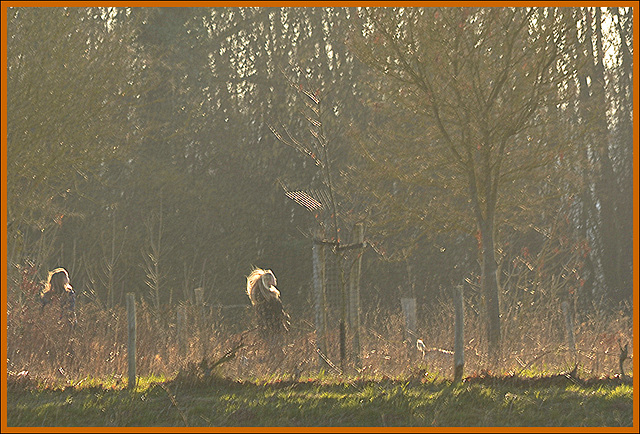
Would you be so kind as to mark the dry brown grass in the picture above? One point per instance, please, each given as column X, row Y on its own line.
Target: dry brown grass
column 534, row 343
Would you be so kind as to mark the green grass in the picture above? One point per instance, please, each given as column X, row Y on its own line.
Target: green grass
column 331, row 402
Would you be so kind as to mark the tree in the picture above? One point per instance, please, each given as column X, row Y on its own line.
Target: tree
column 479, row 83
column 70, row 83
column 605, row 116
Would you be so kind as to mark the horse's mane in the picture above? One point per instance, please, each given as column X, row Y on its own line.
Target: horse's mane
column 58, row 284
column 256, row 290
column 57, row 281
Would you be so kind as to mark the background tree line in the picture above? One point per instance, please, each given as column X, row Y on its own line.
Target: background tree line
column 486, row 146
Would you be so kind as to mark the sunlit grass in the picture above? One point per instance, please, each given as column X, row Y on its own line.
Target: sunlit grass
column 332, row 401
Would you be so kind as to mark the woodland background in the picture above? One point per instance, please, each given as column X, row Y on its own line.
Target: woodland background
column 146, row 153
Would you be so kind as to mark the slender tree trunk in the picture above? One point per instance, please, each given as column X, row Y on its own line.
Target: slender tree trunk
column 490, row 289
column 484, row 200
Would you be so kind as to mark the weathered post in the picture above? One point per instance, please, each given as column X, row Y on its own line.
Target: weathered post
column 344, row 310
column 409, row 311
column 131, row 344
column 199, row 293
column 181, row 330
column 458, row 352
column 354, row 293
column 318, row 288
column 568, row 322
column 202, row 335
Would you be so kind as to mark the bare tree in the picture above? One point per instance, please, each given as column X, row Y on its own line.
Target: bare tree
column 477, row 81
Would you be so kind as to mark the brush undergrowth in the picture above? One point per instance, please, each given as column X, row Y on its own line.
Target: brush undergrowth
column 532, row 344
column 58, row 376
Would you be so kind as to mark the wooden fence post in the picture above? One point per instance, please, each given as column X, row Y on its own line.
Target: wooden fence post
column 318, row 288
column 203, row 337
column 131, row 345
column 354, row 294
column 199, row 293
column 409, row 311
column 181, row 331
column 568, row 322
column 458, row 353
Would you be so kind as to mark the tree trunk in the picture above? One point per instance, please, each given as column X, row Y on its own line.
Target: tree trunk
column 484, row 197
column 490, row 290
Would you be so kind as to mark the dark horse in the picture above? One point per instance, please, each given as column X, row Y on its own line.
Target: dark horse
column 272, row 319
column 58, row 285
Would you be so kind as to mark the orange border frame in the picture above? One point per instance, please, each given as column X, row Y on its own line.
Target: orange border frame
column 3, row 169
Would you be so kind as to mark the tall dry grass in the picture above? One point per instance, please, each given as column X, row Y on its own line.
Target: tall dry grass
column 533, row 342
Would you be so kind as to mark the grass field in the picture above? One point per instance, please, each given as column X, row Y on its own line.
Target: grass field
column 420, row 400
